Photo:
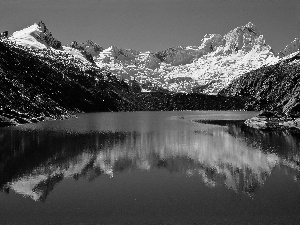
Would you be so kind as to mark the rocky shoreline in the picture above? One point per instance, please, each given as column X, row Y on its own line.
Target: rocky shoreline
column 14, row 118
column 273, row 121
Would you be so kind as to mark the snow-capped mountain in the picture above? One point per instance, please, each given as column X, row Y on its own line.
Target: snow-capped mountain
column 206, row 68
column 36, row 36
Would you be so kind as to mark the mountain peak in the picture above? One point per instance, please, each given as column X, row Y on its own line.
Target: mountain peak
column 250, row 25
column 43, row 27
column 251, row 28
column 244, row 38
column 36, row 36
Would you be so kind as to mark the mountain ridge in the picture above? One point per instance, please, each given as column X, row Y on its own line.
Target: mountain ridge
column 206, row 68
column 184, row 69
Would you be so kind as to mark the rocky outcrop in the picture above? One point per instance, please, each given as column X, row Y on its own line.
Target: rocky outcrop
column 47, row 37
column 88, row 49
column 179, row 55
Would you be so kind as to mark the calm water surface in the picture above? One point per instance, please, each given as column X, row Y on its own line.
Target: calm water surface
column 149, row 168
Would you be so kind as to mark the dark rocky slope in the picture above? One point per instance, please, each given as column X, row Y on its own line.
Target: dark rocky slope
column 40, row 84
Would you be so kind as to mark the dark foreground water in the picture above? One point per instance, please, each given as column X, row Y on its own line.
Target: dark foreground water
column 149, row 168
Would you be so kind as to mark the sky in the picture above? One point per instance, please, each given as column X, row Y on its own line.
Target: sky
column 153, row 25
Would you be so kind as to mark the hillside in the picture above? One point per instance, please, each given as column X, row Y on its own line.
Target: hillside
column 37, row 84
column 275, row 87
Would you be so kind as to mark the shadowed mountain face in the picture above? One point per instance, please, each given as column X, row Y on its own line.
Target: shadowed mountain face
column 226, row 154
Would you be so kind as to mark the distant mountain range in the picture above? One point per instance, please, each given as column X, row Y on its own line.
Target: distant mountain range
column 206, row 68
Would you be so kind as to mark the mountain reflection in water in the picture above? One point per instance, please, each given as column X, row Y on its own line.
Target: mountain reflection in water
column 226, row 153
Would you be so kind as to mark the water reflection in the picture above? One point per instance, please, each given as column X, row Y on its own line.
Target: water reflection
column 224, row 154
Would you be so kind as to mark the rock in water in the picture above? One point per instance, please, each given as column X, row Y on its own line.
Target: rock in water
column 267, row 120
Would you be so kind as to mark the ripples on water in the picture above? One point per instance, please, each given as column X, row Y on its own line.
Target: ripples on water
column 175, row 155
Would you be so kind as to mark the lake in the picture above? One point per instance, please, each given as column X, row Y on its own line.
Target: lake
column 181, row 167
